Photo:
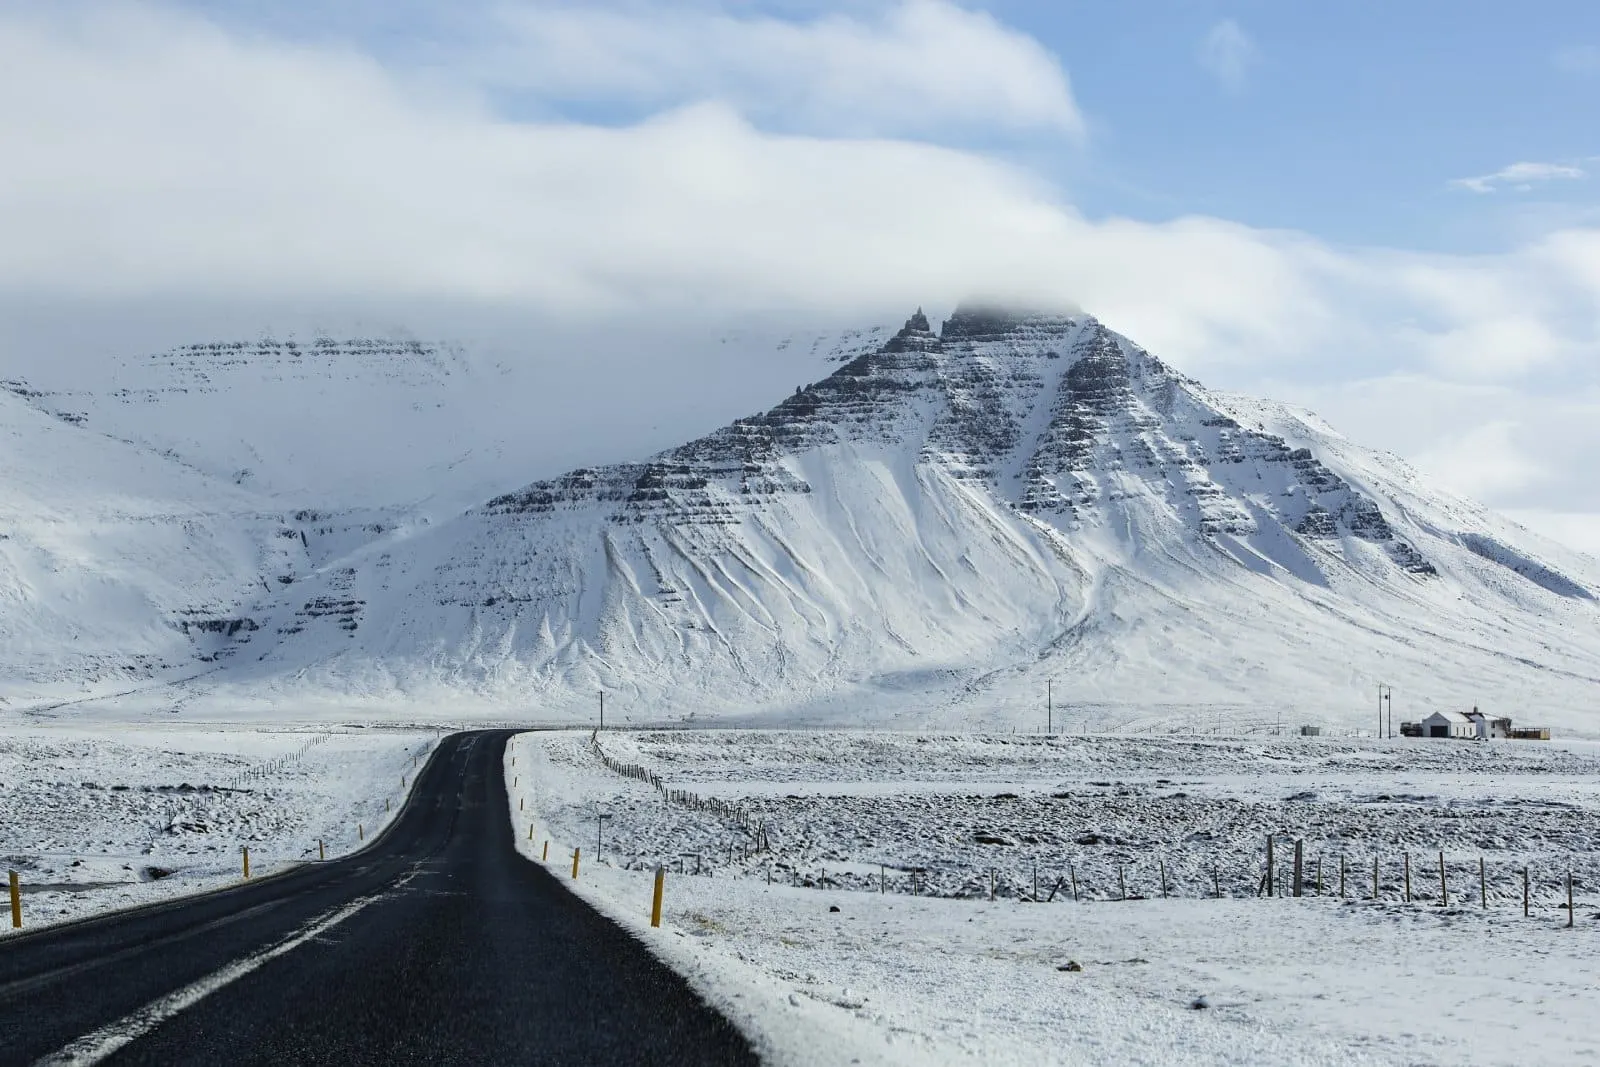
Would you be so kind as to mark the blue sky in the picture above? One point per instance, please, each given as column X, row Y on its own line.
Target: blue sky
column 1348, row 119
column 1386, row 212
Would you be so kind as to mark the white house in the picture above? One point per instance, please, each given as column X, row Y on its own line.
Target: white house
column 1449, row 724
column 1489, row 725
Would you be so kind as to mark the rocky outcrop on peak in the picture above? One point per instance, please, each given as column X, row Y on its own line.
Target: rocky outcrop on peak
column 915, row 336
column 1059, row 416
column 205, row 366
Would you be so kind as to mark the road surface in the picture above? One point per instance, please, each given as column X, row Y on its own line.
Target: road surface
column 438, row 944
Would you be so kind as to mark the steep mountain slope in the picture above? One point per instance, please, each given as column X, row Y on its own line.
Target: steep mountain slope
column 938, row 527
column 118, row 566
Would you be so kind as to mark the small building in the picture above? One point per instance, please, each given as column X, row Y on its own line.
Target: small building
column 1488, row 726
column 1449, row 724
column 1310, row 731
column 1530, row 733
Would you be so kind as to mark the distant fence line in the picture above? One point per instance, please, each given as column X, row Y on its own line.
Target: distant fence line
column 733, row 813
column 258, row 771
column 1401, row 878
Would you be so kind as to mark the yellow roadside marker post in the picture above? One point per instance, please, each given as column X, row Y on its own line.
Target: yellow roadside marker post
column 322, row 852
column 655, row 901
column 575, row 854
column 546, row 856
column 16, row 902
column 247, row 861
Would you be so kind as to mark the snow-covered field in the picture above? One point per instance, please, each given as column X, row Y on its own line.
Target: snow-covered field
column 96, row 818
column 950, row 975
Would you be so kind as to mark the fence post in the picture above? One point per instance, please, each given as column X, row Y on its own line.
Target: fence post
column 1341, row 876
column 1216, row 881
column 1163, row 878
column 1444, row 886
column 1269, row 865
column 655, row 900
column 1408, row 877
column 1483, row 884
column 1073, row 874
column 1374, row 878
column 1298, row 851
column 16, row 902
column 1122, row 885
column 1524, row 892
column 1571, row 914
column 1319, row 874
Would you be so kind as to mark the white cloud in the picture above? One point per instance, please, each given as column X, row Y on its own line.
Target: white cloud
column 1519, row 176
column 154, row 160
column 1227, row 52
column 1482, row 461
column 919, row 66
column 1576, row 529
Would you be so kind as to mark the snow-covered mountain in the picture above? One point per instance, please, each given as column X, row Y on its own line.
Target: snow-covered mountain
column 928, row 534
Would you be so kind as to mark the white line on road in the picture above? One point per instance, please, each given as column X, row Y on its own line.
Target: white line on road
column 95, row 1046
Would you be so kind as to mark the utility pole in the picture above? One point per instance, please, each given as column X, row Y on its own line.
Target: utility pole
column 1385, row 693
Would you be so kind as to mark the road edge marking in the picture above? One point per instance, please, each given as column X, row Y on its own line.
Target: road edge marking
column 96, row 1045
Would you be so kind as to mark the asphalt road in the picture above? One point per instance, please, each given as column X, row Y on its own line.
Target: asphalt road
column 438, row 944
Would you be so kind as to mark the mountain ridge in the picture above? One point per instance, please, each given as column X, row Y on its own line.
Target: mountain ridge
column 927, row 534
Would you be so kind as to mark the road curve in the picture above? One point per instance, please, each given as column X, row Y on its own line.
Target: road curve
column 438, row 944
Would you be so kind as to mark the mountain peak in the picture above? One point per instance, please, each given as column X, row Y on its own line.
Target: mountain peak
column 915, row 336
column 992, row 322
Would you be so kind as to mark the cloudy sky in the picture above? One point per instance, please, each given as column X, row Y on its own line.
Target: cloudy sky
column 1387, row 212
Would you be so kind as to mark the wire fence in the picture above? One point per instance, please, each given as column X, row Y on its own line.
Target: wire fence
column 735, row 814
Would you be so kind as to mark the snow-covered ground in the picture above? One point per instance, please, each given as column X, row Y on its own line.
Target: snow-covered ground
column 957, row 977
column 96, row 818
